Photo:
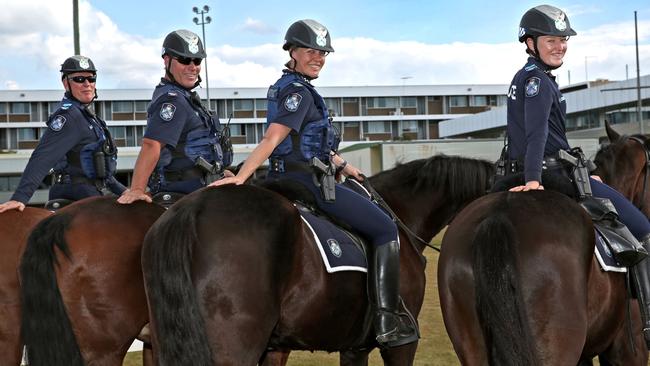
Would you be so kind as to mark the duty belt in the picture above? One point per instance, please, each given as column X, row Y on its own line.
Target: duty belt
column 279, row 165
column 549, row 162
column 188, row 174
column 60, row 178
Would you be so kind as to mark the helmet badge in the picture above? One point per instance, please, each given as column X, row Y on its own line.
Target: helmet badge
column 560, row 22
column 193, row 44
column 321, row 35
column 83, row 63
column 522, row 31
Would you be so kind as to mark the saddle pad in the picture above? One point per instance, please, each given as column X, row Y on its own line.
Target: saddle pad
column 337, row 249
column 605, row 256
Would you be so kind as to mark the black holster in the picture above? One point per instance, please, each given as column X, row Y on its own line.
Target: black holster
column 211, row 172
column 324, row 178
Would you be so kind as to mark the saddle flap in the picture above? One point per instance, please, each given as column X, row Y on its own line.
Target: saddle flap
column 339, row 249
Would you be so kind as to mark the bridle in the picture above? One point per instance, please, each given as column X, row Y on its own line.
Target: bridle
column 642, row 142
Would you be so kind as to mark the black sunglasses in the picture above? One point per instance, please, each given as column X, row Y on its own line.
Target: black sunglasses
column 81, row 79
column 187, row 60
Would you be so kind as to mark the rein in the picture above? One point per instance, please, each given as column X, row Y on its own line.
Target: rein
column 647, row 167
column 380, row 201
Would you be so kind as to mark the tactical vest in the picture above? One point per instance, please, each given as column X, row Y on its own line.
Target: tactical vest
column 200, row 142
column 96, row 160
column 315, row 138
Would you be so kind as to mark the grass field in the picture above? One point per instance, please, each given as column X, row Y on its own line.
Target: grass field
column 434, row 348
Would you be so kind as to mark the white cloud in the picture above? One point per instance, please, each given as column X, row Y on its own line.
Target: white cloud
column 11, row 85
column 258, row 26
column 130, row 61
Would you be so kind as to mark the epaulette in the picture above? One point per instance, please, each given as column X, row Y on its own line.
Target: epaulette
column 531, row 67
column 295, row 83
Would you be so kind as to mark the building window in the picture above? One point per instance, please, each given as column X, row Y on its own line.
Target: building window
column 118, row 132
column 52, row 107
column 237, row 129
column 3, row 108
column 376, row 127
column 383, row 102
column 261, row 104
column 480, row 100
column 122, row 107
column 458, row 101
column 409, row 102
column 19, row 108
column 27, row 134
column 409, row 126
column 141, row 106
column 333, row 106
column 243, row 105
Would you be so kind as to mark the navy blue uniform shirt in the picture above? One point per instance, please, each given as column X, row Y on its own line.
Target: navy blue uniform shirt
column 70, row 128
column 170, row 117
column 536, row 118
column 294, row 116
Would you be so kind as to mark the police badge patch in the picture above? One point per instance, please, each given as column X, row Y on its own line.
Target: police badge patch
column 335, row 248
column 292, row 102
column 532, row 86
column 167, row 111
column 57, row 123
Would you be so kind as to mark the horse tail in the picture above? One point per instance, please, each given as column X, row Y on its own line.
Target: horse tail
column 45, row 325
column 499, row 301
column 180, row 332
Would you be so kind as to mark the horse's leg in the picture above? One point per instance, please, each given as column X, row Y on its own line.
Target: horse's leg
column 275, row 358
column 398, row 356
column 354, row 358
column 621, row 352
column 147, row 355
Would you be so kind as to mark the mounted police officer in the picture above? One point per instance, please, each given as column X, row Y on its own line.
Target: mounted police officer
column 301, row 143
column 184, row 145
column 77, row 146
column 537, row 130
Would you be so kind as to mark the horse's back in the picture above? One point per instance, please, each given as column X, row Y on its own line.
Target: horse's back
column 547, row 243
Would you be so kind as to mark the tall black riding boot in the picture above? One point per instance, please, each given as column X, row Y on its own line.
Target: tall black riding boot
column 641, row 279
column 383, row 284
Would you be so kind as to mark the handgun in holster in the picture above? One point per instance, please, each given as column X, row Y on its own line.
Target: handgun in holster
column 580, row 172
column 324, row 178
column 211, row 172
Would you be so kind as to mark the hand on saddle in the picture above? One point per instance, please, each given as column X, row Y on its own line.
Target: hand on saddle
column 532, row 185
column 597, row 178
column 233, row 179
column 351, row 170
column 227, row 173
column 132, row 195
column 12, row 205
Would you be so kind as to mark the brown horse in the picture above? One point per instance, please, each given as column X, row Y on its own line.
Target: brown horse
column 15, row 227
column 83, row 299
column 520, row 285
column 232, row 271
column 624, row 165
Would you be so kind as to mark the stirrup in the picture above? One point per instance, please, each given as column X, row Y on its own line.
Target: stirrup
column 400, row 335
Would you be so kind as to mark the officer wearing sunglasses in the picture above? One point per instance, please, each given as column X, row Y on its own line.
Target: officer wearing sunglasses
column 76, row 147
column 184, row 147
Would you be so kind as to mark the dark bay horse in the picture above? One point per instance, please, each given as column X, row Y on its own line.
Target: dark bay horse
column 83, row 299
column 519, row 283
column 232, row 271
column 624, row 164
column 15, row 227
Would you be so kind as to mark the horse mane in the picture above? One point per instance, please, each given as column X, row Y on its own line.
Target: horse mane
column 458, row 178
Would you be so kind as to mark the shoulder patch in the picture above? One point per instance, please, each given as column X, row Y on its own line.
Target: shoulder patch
column 57, row 123
column 532, row 86
column 273, row 92
column 292, row 102
column 167, row 111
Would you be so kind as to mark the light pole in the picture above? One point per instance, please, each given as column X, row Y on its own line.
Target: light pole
column 586, row 70
column 203, row 22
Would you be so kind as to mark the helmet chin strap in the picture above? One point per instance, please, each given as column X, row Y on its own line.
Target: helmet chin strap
column 535, row 54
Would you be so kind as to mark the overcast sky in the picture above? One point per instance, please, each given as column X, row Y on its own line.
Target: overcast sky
column 377, row 42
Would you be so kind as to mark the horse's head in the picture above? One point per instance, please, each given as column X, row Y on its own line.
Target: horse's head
column 623, row 164
column 427, row 193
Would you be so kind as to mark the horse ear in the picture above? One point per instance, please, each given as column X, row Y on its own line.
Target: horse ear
column 611, row 134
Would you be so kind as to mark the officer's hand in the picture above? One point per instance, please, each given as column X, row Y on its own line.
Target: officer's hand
column 130, row 196
column 228, row 180
column 533, row 185
column 597, row 178
column 351, row 170
column 12, row 205
column 227, row 173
